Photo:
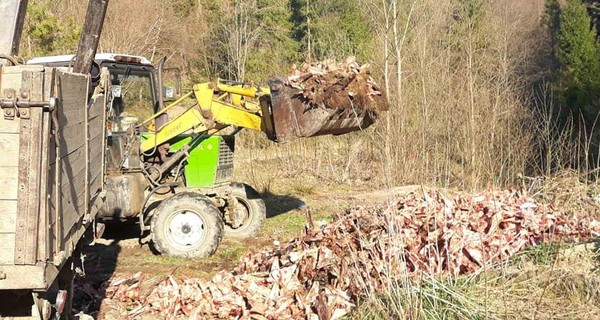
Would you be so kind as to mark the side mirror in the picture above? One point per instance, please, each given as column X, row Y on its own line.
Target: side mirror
column 169, row 92
column 116, row 91
column 173, row 77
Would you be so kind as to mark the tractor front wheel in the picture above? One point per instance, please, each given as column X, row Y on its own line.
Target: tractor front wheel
column 187, row 225
column 250, row 209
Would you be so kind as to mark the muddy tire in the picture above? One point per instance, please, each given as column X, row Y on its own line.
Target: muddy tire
column 253, row 208
column 187, row 225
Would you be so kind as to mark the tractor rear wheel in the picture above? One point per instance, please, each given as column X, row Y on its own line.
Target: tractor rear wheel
column 250, row 208
column 187, row 225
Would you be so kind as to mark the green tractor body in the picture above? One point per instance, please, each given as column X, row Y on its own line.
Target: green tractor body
column 210, row 162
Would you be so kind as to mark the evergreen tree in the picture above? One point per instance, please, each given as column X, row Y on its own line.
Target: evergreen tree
column 578, row 56
column 275, row 50
column 250, row 40
column 594, row 11
column 45, row 33
column 337, row 29
column 552, row 19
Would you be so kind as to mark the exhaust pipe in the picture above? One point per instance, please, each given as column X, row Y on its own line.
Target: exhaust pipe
column 163, row 118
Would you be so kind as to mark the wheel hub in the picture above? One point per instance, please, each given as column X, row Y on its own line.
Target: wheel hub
column 186, row 229
column 240, row 215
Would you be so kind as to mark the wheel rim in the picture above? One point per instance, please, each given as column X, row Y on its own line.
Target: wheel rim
column 242, row 209
column 185, row 229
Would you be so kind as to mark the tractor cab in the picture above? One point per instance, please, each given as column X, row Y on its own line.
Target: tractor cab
column 133, row 96
column 131, row 100
column 133, row 91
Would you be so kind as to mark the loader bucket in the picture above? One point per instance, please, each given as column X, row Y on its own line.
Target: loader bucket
column 292, row 116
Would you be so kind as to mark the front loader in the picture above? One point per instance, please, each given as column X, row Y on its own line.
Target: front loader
column 198, row 162
column 170, row 167
column 188, row 161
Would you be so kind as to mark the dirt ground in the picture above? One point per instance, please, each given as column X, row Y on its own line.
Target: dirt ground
column 119, row 251
column 543, row 285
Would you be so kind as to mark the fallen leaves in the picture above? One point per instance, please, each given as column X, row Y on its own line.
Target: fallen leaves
column 320, row 275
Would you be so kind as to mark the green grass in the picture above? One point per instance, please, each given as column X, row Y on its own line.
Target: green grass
column 286, row 226
column 229, row 252
column 543, row 254
column 226, row 257
column 165, row 260
column 286, row 221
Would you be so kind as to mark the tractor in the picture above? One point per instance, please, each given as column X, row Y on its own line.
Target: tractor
column 169, row 165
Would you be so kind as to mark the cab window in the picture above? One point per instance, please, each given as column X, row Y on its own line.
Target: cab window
column 135, row 97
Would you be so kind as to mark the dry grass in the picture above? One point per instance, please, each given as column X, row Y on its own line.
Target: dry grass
column 461, row 108
column 567, row 288
column 569, row 190
column 564, row 288
column 549, row 281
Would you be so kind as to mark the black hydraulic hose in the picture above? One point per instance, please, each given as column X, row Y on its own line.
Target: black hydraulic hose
column 152, row 192
column 182, row 152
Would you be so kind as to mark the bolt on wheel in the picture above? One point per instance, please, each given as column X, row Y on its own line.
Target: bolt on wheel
column 186, row 228
column 187, row 225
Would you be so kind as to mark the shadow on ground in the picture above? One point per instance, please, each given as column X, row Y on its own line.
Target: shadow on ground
column 119, row 246
column 279, row 204
column 99, row 264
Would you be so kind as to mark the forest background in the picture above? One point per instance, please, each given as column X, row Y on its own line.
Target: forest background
column 483, row 93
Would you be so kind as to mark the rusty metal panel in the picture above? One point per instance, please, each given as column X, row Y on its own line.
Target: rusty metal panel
column 30, row 161
column 50, row 172
column 44, row 234
column 292, row 116
column 29, row 222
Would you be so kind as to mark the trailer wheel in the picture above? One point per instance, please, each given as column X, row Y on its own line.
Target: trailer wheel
column 64, row 298
column 187, row 225
column 57, row 301
column 251, row 208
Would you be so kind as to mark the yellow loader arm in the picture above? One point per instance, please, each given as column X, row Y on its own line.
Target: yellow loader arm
column 279, row 110
column 234, row 106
